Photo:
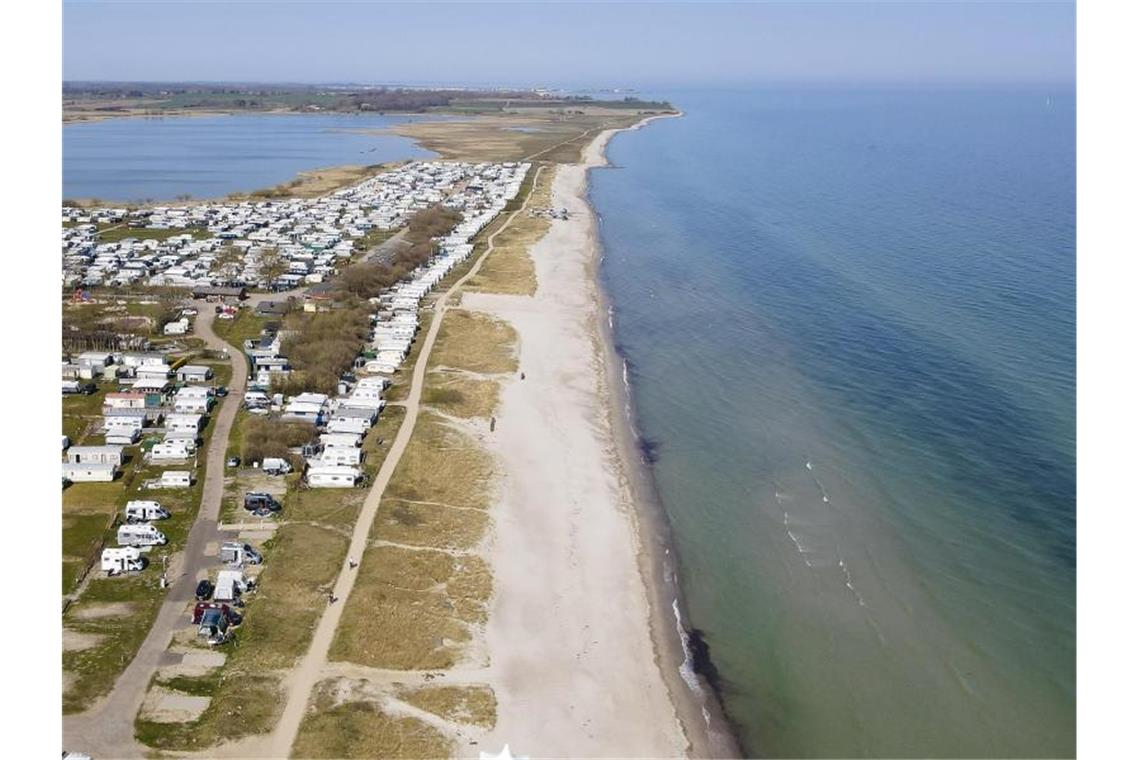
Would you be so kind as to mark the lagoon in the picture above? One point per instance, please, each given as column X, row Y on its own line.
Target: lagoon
column 161, row 158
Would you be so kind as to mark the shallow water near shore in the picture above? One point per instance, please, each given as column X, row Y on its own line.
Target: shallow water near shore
column 137, row 158
column 848, row 318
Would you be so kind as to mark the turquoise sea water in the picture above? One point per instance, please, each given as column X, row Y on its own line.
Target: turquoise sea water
column 210, row 156
column 849, row 320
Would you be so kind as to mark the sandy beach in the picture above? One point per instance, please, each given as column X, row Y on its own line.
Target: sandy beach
column 573, row 662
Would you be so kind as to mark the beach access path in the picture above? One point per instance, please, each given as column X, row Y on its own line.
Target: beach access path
column 107, row 729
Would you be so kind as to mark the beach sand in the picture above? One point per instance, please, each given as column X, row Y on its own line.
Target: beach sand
column 573, row 661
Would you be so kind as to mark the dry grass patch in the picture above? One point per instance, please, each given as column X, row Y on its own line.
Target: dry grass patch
column 475, row 342
column 460, row 395
column 475, row 705
column 358, row 728
column 429, row 525
column 442, row 464
column 410, row 609
column 331, row 507
column 554, row 134
column 241, row 704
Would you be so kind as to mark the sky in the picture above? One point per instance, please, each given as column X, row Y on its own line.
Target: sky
column 564, row 44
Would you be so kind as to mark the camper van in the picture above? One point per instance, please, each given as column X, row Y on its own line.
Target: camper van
column 144, row 511
column 230, row 585
column 140, row 535
column 275, row 466
column 124, row 560
column 238, row 554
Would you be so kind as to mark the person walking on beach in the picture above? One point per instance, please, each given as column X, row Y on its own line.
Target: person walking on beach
column 492, row 424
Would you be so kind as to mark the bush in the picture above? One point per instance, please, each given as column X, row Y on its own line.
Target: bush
column 263, row 437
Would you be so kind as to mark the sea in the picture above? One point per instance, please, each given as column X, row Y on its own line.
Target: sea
column 163, row 158
column 848, row 322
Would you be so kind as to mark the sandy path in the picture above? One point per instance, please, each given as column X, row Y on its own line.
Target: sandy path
column 572, row 660
column 108, row 728
column 302, row 680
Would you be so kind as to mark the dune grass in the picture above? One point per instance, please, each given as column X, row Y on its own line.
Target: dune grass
column 460, row 395
column 475, row 705
column 475, row 342
column 411, row 609
column 361, row 729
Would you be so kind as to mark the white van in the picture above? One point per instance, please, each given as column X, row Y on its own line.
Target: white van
column 237, row 553
column 144, row 511
column 230, row 585
column 124, row 560
column 275, row 466
column 143, row 534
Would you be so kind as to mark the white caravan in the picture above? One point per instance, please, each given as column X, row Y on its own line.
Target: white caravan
column 143, row 534
column 144, row 511
column 123, row 560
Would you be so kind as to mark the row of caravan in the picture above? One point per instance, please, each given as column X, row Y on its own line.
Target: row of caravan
column 354, row 411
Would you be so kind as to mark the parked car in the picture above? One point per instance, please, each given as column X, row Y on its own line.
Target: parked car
column 218, row 309
column 214, row 626
column 204, row 590
column 233, row 462
column 261, row 504
column 221, row 390
column 233, row 617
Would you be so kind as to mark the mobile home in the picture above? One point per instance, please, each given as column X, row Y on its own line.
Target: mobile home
column 332, row 476
column 89, row 473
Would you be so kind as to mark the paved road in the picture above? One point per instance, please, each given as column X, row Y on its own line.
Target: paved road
column 107, row 729
column 305, row 677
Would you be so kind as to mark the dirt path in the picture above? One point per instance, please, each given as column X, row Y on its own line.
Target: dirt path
column 302, row 680
column 108, row 728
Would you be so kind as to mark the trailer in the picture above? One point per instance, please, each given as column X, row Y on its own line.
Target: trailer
column 143, row 534
column 172, row 479
column 123, row 560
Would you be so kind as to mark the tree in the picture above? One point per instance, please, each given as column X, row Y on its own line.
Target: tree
column 230, row 261
column 272, row 266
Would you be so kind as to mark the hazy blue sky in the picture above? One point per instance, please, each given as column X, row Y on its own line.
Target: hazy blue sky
column 628, row 44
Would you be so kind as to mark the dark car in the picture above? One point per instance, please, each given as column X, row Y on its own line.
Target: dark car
column 218, row 309
column 221, row 390
column 261, row 504
column 204, row 590
column 88, row 389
